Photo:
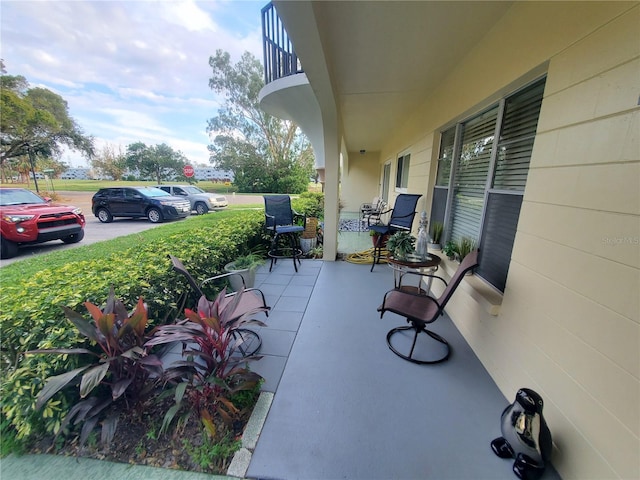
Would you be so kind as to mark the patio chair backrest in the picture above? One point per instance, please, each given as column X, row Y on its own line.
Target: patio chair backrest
column 179, row 267
column 278, row 210
column 469, row 262
column 404, row 211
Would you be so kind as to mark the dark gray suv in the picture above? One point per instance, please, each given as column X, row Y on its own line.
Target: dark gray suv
column 150, row 202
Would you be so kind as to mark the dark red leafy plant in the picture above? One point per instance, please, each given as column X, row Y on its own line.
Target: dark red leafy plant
column 213, row 369
column 122, row 371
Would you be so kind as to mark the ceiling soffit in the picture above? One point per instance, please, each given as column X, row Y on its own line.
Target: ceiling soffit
column 384, row 58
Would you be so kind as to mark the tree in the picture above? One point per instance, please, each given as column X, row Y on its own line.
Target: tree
column 110, row 162
column 35, row 122
column 158, row 161
column 265, row 153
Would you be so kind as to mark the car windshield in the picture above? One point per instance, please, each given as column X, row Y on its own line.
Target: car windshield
column 18, row 197
column 193, row 190
column 152, row 192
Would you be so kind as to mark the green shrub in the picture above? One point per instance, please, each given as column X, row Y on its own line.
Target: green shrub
column 32, row 317
column 310, row 204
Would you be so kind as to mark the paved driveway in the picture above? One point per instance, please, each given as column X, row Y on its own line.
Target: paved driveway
column 95, row 231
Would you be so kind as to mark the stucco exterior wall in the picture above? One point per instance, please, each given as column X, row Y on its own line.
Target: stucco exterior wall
column 569, row 323
column 360, row 180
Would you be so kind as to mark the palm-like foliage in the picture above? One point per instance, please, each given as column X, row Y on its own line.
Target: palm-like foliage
column 213, row 369
column 122, row 362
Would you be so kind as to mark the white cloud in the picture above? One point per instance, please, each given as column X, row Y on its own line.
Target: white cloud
column 188, row 15
column 131, row 70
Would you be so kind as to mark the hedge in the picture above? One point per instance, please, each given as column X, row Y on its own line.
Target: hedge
column 31, row 316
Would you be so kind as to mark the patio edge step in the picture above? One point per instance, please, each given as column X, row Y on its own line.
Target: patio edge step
column 242, row 458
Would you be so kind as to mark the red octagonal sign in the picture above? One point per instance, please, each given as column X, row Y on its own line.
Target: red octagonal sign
column 188, row 171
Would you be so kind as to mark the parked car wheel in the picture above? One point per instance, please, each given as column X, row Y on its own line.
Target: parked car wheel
column 8, row 248
column 75, row 238
column 104, row 216
column 201, row 208
column 154, row 215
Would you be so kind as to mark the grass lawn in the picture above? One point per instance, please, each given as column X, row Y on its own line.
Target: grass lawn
column 95, row 185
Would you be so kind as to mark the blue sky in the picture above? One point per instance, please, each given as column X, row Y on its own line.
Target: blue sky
column 133, row 70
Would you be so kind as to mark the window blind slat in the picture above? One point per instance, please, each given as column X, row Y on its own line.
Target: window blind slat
column 501, row 221
column 471, row 175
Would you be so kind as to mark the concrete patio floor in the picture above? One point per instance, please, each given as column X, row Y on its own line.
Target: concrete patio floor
column 344, row 406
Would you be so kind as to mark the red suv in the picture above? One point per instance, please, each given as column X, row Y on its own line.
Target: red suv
column 27, row 218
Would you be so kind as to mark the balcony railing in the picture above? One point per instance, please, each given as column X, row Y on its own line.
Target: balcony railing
column 279, row 58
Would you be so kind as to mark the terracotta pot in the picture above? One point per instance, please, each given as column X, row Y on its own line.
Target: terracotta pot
column 374, row 239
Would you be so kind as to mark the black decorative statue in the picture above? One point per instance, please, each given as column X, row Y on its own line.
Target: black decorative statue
column 525, row 435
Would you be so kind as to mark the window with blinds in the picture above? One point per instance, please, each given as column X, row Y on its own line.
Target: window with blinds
column 482, row 173
column 441, row 188
column 470, row 180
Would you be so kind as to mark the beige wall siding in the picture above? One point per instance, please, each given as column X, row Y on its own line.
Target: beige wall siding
column 576, row 257
column 419, row 170
column 569, row 323
column 360, row 182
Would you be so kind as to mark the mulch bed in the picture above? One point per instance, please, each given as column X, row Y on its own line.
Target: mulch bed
column 138, row 441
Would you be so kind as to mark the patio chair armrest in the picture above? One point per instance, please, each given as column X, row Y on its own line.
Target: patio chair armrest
column 223, row 275
column 299, row 216
column 269, row 221
column 405, row 216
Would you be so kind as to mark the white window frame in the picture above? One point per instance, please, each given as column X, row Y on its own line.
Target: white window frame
column 511, row 189
column 403, row 163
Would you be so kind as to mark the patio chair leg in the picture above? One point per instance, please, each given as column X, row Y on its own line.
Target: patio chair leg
column 377, row 250
column 250, row 341
column 273, row 250
column 410, row 357
column 294, row 250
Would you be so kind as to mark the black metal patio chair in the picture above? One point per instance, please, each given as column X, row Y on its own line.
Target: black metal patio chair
column 401, row 218
column 371, row 212
column 283, row 224
column 420, row 310
column 253, row 300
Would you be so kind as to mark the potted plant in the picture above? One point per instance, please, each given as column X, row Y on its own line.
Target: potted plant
column 465, row 246
column 450, row 250
column 374, row 238
column 244, row 265
column 309, row 238
column 436, row 234
column 311, row 205
column 401, row 244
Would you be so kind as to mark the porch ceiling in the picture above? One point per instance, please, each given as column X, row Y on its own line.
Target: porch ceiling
column 383, row 58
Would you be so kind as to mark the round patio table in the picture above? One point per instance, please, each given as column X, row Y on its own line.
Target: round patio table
column 413, row 263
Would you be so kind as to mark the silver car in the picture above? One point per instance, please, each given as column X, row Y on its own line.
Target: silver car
column 201, row 201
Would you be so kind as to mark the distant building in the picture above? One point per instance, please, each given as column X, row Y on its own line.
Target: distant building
column 212, row 174
column 200, row 174
column 77, row 174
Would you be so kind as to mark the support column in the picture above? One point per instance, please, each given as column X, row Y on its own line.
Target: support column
column 331, row 194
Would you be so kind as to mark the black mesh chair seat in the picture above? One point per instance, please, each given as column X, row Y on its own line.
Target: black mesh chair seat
column 420, row 310
column 284, row 225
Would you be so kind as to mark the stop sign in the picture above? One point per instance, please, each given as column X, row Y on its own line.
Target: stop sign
column 188, row 171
